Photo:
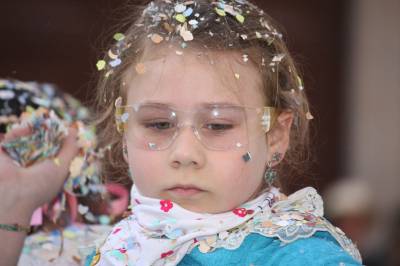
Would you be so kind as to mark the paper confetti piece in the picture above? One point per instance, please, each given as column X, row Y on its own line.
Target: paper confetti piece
column 181, row 18
column 203, row 247
column 193, row 22
column 140, row 68
column 82, row 209
column 115, row 62
column 112, row 55
column 239, row 18
column 57, row 161
column 188, row 12
column 309, row 116
column 220, row 12
column 156, row 38
column 168, row 27
column 119, row 36
column 76, row 166
column 100, row 64
column 179, row 8
column 185, row 34
column 237, row 76
column 278, row 58
column 300, row 81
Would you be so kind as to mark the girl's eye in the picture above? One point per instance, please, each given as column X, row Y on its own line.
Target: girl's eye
column 219, row 127
column 159, row 125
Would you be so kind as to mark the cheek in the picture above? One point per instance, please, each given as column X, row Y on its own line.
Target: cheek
column 233, row 174
column 139, row 163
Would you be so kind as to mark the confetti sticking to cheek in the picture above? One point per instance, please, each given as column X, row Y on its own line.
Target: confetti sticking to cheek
column 140, row 68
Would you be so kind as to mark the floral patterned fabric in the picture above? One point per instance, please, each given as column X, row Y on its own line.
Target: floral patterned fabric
column 160, row 232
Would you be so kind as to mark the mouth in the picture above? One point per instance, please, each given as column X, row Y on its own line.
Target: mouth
column 185, row 190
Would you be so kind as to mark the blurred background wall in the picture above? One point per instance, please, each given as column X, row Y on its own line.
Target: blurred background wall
column 372, row 143
column 348, row 51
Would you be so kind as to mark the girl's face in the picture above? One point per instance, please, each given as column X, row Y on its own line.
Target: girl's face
column 187, row 172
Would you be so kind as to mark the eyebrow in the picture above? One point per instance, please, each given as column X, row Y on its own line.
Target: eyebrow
column 203, row 104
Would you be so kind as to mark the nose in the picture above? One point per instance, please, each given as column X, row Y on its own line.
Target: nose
column 186, row 150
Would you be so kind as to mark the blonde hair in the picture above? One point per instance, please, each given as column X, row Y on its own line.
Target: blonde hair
column 251, row 32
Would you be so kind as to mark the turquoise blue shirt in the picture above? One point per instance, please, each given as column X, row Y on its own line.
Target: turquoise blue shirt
column 257, row 250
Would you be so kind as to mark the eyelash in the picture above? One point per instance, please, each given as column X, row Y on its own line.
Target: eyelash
column 220, row 126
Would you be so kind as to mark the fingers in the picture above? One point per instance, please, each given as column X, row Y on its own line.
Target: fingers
column 14, row 133
column 17, row 132
column 60, row 165
column 70, row 147
column 46, row 178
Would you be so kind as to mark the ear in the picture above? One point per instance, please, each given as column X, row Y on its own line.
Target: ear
column 279, row 136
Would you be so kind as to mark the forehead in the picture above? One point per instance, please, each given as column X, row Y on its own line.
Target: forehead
column 193, row 79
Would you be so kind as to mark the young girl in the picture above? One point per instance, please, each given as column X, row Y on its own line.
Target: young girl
column 204, row 107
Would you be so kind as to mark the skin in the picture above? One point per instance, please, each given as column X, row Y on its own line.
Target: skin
column 223, row 179
column 22, row 190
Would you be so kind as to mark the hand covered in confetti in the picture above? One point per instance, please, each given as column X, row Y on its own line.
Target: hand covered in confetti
column 25, row 189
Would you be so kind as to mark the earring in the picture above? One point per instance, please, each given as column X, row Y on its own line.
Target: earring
column 125, row 150
column 271, row 174
column 130, row 174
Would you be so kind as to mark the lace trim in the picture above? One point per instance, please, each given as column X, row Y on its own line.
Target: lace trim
column 299, row 216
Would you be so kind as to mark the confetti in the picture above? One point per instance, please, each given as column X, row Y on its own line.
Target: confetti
column 168, row 27
column 193, row 22
column 57, row 161
column 309, row 116
column 76, row 166
column 237, row 76
column 239, row 18
column 140, row 68
column 188, row 12
column 83, row 209
column 300, row 81
column 156, row 38
column 180, row 18
column 100, row 64
column 119, row 36
column 220, row 12
column 185, row 34
column 278, row 58
column 112, row 55
column 115, row 62
column 179, row 8
column 49, row 112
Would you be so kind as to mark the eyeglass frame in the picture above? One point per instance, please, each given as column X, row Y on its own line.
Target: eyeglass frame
column 268, row 119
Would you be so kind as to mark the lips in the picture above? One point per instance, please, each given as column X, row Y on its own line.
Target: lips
column 185, row 190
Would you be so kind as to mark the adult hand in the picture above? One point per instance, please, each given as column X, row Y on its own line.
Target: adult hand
column 22, row 190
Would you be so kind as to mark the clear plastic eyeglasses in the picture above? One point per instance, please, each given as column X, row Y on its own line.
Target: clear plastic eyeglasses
column 217, row 127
